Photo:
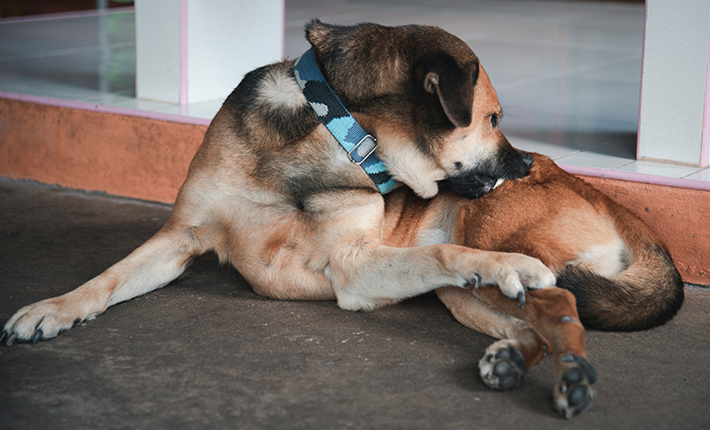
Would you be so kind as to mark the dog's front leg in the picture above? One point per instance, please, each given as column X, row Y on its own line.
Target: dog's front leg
column 369, row 275
column 153, row 265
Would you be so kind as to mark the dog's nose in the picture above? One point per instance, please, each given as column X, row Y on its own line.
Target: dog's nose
column 527, row 158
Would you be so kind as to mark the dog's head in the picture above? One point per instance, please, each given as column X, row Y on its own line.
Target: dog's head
column 423, row 92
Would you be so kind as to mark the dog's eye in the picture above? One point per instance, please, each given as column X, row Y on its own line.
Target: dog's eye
column 494, row 120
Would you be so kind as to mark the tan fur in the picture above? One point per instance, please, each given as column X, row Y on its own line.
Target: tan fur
column 489, row 138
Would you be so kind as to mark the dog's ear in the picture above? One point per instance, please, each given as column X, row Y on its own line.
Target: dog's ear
column 441, row 75
column 315, row 30
column 321, row 35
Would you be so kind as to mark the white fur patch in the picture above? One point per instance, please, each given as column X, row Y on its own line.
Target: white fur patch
column 605, row 260
column 280, row 89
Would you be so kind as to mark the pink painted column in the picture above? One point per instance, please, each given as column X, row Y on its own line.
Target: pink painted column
column 182, row 99
column 705, row 149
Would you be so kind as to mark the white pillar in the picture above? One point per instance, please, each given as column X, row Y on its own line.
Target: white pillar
column 675, row 74
column 190, row 51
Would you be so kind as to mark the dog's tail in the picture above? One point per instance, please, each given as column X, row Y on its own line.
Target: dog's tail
column 646, row 294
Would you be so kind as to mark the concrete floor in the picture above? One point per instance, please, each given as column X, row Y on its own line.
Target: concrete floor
column 207, row 352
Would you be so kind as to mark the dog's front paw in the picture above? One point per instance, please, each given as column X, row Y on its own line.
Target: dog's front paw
column 39, row 321
column 574, row 394
column 515, row 273
column 502, row 366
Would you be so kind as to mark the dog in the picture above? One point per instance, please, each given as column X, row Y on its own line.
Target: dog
column 272, row 191
column 613, row 271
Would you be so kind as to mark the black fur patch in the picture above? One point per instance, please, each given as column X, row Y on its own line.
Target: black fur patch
column 441, row 75
column 471, row 185
column 606, row 304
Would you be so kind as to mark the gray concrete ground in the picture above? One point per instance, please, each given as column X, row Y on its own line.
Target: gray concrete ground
column 207, row 352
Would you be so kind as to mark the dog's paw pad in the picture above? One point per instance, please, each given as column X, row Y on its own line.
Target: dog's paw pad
column 503, row 366
column 574, row 393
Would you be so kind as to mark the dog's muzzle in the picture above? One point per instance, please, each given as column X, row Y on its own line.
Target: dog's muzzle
column 474, row 184
column 471, row 185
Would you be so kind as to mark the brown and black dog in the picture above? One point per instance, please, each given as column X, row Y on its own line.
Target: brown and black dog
column 273, row 193
column 607, row 261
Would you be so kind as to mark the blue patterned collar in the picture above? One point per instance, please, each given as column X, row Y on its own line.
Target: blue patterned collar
column 359, row 144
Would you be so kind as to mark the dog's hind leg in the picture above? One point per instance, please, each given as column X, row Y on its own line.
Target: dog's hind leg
column 553, row 314
column 520, row 346
column 153, row 265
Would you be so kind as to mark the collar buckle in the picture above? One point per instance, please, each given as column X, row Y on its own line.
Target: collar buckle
column 367, row 146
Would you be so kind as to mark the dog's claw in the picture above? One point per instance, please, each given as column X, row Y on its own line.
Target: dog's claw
column 37, row 337
column 521, row 299
column 474, row 282
column 11, row 339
